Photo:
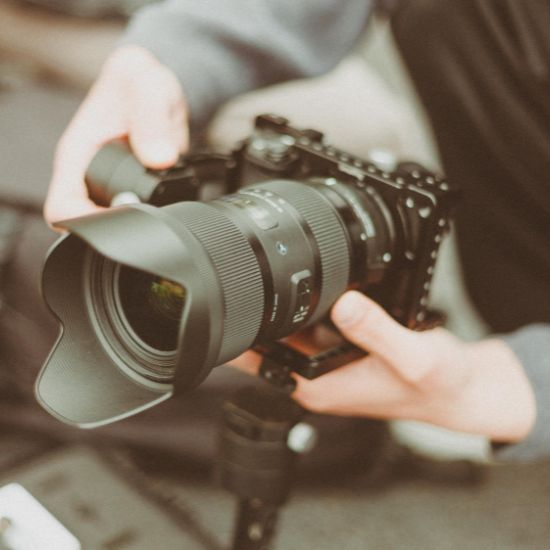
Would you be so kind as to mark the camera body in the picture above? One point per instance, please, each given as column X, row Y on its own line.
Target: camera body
column 302, row 223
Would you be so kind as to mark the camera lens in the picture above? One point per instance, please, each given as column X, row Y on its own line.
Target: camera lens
column 139, row 315
column 162, row 295
column 152, row 306
column 152, row 296
column 274, row 257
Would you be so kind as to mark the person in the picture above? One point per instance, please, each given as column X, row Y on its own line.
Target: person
column 481, row 68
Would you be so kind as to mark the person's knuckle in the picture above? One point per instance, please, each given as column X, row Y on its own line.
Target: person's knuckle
column 366, row 319
column 415, row 374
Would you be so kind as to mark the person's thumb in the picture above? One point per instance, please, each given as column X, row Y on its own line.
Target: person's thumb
column 365, row 323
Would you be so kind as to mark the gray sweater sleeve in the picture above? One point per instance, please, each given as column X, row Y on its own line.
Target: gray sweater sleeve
column 221, row 48
column 532, row 346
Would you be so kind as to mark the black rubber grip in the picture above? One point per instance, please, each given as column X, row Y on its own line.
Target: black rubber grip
column 238, row 271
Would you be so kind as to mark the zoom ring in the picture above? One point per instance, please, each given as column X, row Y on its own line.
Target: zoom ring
column 239, row 274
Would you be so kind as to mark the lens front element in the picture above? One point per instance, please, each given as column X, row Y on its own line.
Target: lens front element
column 152, row 306
column 139, row 316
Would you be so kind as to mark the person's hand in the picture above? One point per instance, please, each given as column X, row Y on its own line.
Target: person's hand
column 136, row 97
column 430, row 376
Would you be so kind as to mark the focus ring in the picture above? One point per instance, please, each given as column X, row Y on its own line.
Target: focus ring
column 329, row 234
column 238, row 271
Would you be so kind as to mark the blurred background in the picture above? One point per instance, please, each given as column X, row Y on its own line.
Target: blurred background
column 148, row 480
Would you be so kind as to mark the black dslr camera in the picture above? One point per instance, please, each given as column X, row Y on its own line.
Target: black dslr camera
column 152, row 296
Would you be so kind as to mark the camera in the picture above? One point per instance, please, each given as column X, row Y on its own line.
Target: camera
column 151, row 296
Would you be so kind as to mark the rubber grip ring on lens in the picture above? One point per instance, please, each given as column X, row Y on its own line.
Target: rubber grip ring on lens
column 329, row 234
column 238, row 271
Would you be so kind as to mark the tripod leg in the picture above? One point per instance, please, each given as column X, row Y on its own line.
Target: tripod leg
column 256, row 462
column 255, row 525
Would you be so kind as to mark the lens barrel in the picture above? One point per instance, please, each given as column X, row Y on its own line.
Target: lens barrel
column 163, row 295
column 281, row 253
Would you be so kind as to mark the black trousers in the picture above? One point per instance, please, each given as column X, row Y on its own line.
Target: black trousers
column 482, row 70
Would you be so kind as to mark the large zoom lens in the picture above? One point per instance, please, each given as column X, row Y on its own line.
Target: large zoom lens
column 278, row 255
column 151, row 299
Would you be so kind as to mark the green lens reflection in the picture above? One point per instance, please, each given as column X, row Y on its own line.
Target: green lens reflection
column 166, row 298
column 152, row 306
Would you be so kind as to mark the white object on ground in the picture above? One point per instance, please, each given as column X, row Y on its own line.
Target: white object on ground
column 27, row 525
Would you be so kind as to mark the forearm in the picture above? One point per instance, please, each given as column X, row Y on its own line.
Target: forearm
column 221, row 49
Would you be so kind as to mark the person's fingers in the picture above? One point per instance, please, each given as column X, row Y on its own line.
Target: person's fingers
column 158, row 128
column 61, row 208
column 365, row 323
column 95, row 124
column 135, row 97
column 67, row 194
column 364, row 387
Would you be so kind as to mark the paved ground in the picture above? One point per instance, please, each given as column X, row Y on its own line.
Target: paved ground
column 506, row 510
